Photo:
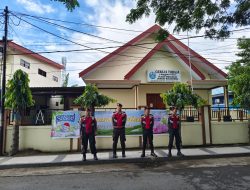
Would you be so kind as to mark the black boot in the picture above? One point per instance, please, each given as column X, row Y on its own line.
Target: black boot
column 169, row 154
column 143, row 154
column 123, row 155
column 180, row 154
column 83, row 157
column 114, row 155
column 153, row 154
column 95, row 157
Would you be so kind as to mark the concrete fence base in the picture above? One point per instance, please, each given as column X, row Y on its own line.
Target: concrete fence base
column 38, row 137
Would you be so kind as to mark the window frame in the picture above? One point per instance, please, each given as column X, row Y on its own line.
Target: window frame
column 55, row 78
column 42, row 72
column 24, row 64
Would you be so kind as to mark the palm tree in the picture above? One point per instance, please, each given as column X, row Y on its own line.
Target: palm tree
column 91, row 98
column 18, row 98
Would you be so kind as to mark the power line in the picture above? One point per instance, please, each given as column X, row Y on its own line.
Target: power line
column 72, row 70
column 79, row 23
column 135, row 62
column 95, row 36
column 15, row 33
column 80, row 51
column 98, row 26
column 122, row 42
column 98, row 49
column 51, row 23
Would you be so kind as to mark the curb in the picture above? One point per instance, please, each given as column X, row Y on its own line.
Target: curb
column 122, row 160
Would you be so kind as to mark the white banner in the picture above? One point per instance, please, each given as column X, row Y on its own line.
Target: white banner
column 164, row 76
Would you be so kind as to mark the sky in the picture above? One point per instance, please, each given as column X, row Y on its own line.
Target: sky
column 98, row 15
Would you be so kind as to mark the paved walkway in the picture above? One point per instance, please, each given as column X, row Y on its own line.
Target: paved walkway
column 131, row 156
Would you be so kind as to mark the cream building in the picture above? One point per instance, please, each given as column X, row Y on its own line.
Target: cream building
column 136, row 73
column 42, row 71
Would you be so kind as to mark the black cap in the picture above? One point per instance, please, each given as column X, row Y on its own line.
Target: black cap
column 146, row 108
column 119, row 104
column 88, row 109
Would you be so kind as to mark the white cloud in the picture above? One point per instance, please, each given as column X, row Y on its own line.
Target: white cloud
column 36, row 6
column 92, row 2
column 108, row 14
column 113, row 14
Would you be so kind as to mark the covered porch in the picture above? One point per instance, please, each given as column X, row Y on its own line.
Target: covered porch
column 47, row 100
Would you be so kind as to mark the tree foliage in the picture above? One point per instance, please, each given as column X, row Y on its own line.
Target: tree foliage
column 216, row 17
column 239, row 75
column 18, row 97
column 70, row 4
column 180, row 96
column 18, row 94
column 92, row 98
column 66, row 81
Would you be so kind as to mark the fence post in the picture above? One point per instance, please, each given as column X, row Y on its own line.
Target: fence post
column 248, row 117
column 206, row 124
column 219, row 115
column 71, row 145
column 241, row 114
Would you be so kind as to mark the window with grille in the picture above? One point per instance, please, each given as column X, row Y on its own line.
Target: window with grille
column 55, row 78
column 41, row 72
column 24, row 63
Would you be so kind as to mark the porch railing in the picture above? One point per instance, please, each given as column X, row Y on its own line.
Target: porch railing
column 228, row 114
column 188, row 114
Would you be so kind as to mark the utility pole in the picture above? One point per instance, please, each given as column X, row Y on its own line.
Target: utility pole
column 5, row 41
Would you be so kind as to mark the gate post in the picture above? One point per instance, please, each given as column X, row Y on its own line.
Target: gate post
column 206, row 124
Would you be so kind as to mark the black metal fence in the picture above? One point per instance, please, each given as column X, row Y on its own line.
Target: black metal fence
column 228, row 114
column 191, row 114
column 34, row 117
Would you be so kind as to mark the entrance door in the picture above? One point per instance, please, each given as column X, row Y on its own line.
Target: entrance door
column 155, row 101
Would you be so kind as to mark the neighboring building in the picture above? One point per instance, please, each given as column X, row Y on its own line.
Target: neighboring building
column 219, row 99
column 42, row 71
column 136, row 73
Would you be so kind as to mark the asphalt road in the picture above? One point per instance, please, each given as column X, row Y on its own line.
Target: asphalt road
column 208, row 174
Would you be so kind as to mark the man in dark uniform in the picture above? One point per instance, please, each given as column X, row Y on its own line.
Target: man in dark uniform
column 147, row 123
column 119, row 119
column 174, row 125
column 88, row 129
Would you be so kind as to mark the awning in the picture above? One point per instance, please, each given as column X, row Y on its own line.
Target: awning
column 113, row 83
column 207, row 84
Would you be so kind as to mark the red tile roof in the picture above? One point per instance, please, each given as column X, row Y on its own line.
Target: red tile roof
column 32, row 54
column 167, row 42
